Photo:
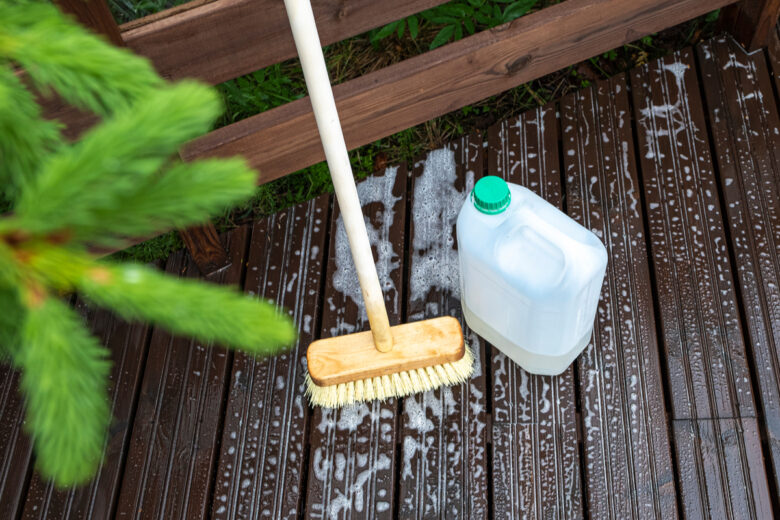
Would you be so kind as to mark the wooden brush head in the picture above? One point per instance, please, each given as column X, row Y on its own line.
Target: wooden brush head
column 344, row 359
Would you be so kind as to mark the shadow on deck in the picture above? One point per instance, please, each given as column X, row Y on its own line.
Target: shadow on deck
column 672, row 410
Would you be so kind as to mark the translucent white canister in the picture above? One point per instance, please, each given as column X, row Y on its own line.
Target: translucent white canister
column 530, row 276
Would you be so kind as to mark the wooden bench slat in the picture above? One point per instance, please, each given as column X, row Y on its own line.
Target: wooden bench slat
column 352, row 460
column 535, row 463
column 15, row 445
column 745, row 125
column 127, row 344
column 261, row 470
column 220, row 40
column 627, row 462
column 172, row 455
column 444, row 462
column 378, row 104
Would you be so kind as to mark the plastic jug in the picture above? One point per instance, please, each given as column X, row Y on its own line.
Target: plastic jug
column 530, row 276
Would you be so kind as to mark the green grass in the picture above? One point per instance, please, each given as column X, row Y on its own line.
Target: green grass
column 128, row 10
column 281, row 83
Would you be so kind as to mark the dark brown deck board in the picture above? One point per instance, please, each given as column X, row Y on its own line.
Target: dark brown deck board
column 627, row 462
column 721, row 468
column 444, row 463
column 535, row 464
column 127, row 343
column 228, row 436
column 353, row 450
column 745, row 131
column 705, row 354
column 262, row 453
column 172, row 455
column 15, row 445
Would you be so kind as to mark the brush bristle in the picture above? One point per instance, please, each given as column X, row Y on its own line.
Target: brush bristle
column 399, row 384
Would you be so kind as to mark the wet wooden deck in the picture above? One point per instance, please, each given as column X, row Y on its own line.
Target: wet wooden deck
column 672, row 411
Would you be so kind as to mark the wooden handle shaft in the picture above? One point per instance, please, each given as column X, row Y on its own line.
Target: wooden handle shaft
column 307, row 42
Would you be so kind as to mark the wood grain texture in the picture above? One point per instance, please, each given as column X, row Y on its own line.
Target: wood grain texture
column 261, row 470
column 721, row 468
column 285, row 139
column 223, row 39
column 206, row 249
column 127, row 344
column 702, row 337
column 352, row 459
column 773, row 53
column 349, row 358
column 746, row 135
column 627, row 462
column 15, row 445
column 444, row 463
column 172, row 455
column 535, row 466
column 751, row 21
column 94, row 14
column 705, row 354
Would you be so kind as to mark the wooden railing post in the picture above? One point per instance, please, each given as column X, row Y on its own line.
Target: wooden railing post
column 94, row 14
column 751, row 21
column 202, row 241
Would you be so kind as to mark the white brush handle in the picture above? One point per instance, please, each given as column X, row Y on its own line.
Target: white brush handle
column 317, row 82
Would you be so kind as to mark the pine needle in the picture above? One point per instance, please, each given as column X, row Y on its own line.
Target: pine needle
column 11, row 316
column 58, row 54
column 88, row 181
column 64, row 378
column 26, row 136
column 188, row 307
column 177, row 198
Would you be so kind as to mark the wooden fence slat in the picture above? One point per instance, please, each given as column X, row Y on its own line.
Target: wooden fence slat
column 701, row 333
column 172, row 455
column 224, row 39
column 94, row 14
column 773, row 51
column 15, row 445
column 443, row 471
column 535, row 466
column 127, row 343
column 204, row 245
column 262, row 453
column 745, row 127
column 751, row 21
column 352, row 457
column 627, row 462
column 381, row 103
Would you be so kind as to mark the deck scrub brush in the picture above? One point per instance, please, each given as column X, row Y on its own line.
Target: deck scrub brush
column 426, row 355
column 385, row 361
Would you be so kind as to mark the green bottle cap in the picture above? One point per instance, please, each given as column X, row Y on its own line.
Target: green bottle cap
column 491, row 195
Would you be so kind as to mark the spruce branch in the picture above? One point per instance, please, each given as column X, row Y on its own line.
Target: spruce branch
column 11, row 317
column 188, row 307
column 58, row 54
column 178, row 197
column 85, row 182
column 64, row 377
column 26, row 136
column 119, row 179
column 182, row 306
